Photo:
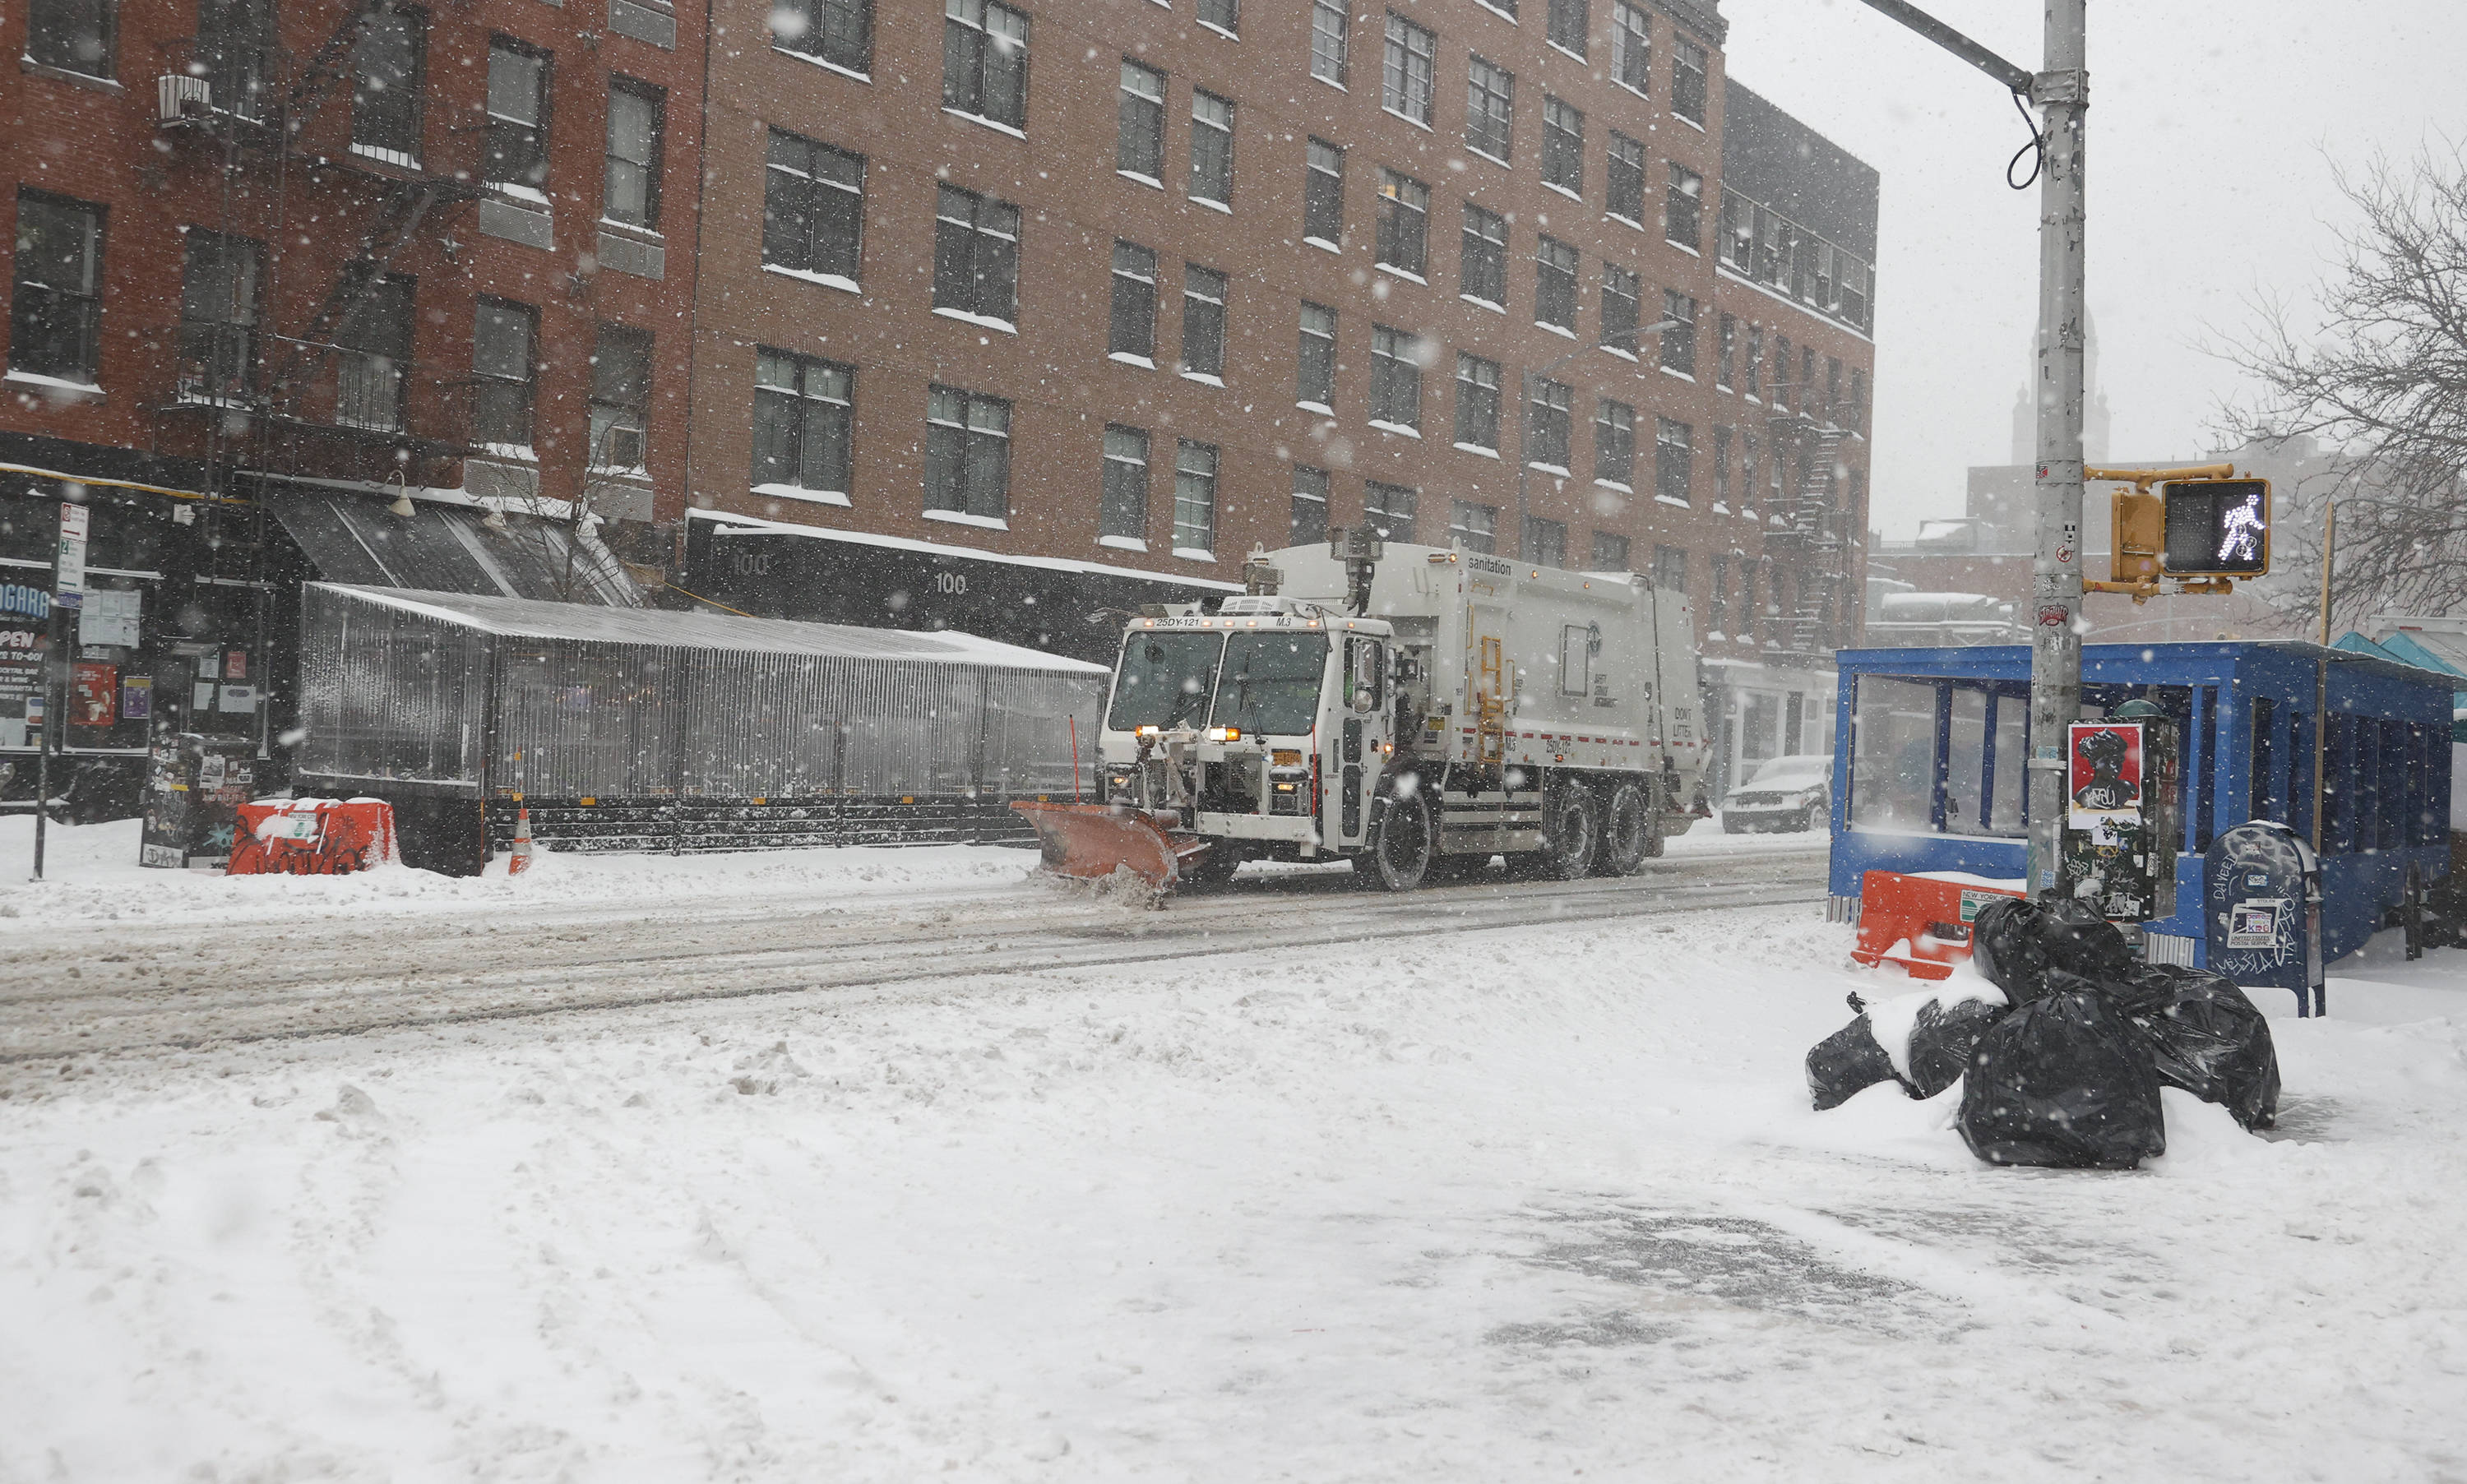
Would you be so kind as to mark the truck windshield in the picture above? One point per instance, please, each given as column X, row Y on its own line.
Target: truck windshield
column 1270, row 684
column 1164, row 680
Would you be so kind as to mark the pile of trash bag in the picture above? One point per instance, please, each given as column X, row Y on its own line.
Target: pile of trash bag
column 2062, row 1050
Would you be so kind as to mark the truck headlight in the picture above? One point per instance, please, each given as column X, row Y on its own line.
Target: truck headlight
column 1224, row 733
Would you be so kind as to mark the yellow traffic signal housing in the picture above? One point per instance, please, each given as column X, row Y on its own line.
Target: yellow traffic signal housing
column 2139, row 539
column 2215, row 527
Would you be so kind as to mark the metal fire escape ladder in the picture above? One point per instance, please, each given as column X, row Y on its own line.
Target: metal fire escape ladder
column 329, row 65
column 1815, row 531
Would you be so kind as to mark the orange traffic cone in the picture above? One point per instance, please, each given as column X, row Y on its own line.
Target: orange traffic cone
column 522, row 858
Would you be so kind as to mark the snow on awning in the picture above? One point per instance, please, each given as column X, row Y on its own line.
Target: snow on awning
column 355, row 540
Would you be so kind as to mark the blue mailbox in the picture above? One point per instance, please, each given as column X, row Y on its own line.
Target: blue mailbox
column 2263, row 910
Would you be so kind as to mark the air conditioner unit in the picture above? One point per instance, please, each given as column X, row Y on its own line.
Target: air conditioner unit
column 179, row 96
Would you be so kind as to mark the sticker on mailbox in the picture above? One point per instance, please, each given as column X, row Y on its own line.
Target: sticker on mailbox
column 2254, row 924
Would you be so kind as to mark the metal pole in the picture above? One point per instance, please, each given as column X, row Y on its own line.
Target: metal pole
column 2062, row 91
column 2322, row 679
column 53, row 654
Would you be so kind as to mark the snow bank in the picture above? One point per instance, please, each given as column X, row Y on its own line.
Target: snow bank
column 91, row 875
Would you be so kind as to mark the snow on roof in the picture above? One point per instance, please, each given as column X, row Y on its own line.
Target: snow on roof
column 517, row 618
column 731, row 523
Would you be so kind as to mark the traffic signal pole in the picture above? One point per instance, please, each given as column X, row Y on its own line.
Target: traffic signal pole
column 2061, row 90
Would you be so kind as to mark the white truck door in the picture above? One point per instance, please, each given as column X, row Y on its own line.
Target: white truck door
column 1362, row 727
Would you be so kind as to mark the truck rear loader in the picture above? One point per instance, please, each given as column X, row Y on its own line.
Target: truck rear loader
column 1416, row 709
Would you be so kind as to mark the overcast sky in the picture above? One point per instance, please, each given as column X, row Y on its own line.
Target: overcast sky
column 2214, row 128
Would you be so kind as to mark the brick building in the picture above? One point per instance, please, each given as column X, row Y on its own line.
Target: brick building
column 1121, row 289
column 274, row 269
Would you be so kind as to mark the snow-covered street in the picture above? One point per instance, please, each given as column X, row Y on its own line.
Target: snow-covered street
column 1519, row 1201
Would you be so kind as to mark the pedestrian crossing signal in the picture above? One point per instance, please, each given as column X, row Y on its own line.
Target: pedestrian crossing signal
column 2215, row 527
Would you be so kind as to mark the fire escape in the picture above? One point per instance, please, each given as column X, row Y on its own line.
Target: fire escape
column 338, row 396
column 1806, row 530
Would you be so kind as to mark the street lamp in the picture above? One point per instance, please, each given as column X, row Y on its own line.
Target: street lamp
column 1524, row 414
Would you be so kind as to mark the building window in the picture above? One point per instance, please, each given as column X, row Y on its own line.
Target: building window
column 1806, row 399
column 1854, row 291
column 1824, row 297
column 1132, row 330
column 837, row 32
column 75, row 36
column 1688, row 80
column 976, row 255
column 503, row 374
column 517, row 146
column 1477, row 402
column 234, row 38
column 1194, row 498
column 1624, row 182
column 1755, row 361
column 1203, row 321
column 1404, row 213
column 1722, row 466
column 1226, row 15
column 1405, row 75
column 1782, row 389
column 1389, row 509
column 1549, row 428
column 1670, row 568
column 1211, row 148
column 1139, row 139
column 1610, row 551
column 387, row 82
column 56, row 314
column 1858, row 400
column 1324, row 194
column 1727, row 353
column 967, row 453
column 1734, row 239
column 1631, row 47
column 1124, row 514
column 1747, row 471
column 984, row 60
column 813, row 206
column 1714, row 599
column 1678, row 341
column 1554, row 284
column 1396, row 377
column 803, row 416
column 621, row 399
column 1328, row 40
column 1545, row 542
column 1315, row 383
column 1490, row 110
column 374, row 345
column 1309, row 524
column 1563, row 146
column 629, row 192
column 1683, row 208
column 1620, row 291
column 1832, row 390
column 1475, row 526
column 1674, row 460
column 1615, row 443
column 1482, row 275
column 1567, row 24
column 218, row 284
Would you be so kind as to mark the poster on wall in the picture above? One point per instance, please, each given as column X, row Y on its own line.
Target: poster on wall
column 94, row 694
column 2103, row 773
column 136, row 698
column 110, row 617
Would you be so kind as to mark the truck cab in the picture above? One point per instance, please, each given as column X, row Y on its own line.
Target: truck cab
column 1265, row 726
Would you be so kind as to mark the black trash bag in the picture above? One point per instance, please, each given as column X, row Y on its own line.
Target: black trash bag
column 2205, row 1036
column 2008, row 947
column 1943, row 1041
column 2065, row 1082
column 1846, row 1063
column 2078, row 940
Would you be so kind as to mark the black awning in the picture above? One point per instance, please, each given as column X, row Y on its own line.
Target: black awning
column 445, row 548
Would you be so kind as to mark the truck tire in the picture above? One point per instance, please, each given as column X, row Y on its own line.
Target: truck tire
column 1628, row 827
column 1404, row 842
column 1215, row 868
column 1570, row 829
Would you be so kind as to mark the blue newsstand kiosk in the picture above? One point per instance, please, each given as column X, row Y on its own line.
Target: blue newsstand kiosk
column 1932, row 744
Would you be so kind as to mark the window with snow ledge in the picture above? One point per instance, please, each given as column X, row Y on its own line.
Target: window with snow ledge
column 1122, row 543
column 963, row 518
column 980, row 321
column 779, row 491
column 1398, row 428
column 836, row 280
column 1128, row 358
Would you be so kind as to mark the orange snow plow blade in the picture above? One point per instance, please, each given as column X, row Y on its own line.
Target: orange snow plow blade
column 1090, row 841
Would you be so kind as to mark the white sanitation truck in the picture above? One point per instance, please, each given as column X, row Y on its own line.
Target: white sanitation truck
column 1417, row 709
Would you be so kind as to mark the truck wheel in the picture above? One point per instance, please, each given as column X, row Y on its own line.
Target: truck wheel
column 1216, row 868
column 1627, row 830
column 1404, row 842
column 1571, row 822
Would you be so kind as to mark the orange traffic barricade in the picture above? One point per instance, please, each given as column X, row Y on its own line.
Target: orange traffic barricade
column 312, row 837
column 1919, row 922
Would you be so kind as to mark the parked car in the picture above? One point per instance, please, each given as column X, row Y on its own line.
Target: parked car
column 1794, row 792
